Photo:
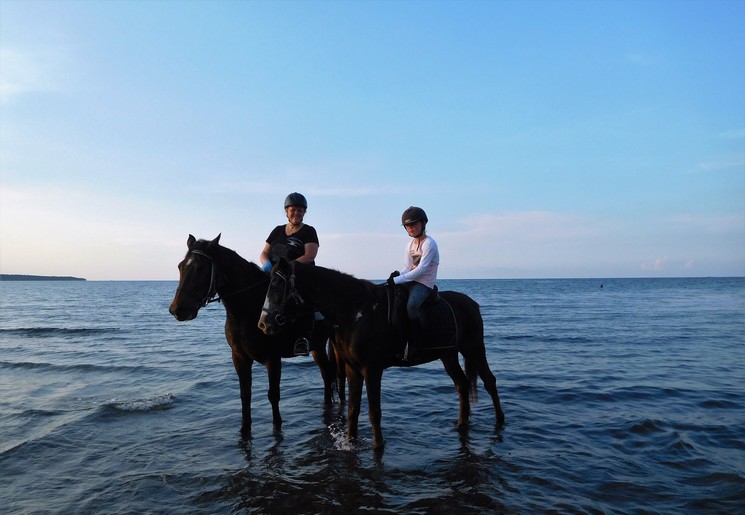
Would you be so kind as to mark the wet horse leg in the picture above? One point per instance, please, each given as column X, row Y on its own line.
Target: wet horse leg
column 355, row 401
column 244, row 369
column 327, row 368
column 373, row 378
column 490, row 384
column 274, row 371
column 341, row 376
column 454, row 370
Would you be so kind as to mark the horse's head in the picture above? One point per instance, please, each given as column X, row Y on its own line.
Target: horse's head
column 282, row 300
column 197, row 282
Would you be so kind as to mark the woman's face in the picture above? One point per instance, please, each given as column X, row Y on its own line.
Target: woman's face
column 295, row 214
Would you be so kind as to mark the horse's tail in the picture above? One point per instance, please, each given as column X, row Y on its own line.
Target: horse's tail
column 477, row 352
column 472, row 374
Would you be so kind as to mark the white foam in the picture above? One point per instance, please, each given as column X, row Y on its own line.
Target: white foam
column 340, row 438
column 146, row 404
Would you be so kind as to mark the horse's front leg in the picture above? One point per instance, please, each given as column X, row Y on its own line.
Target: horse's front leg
column 355, row 400
column 341, row 375
column 244, row 369
column 373, row 378
column 274, row 371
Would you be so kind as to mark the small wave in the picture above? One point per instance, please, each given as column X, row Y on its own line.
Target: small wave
column 518, row 337
column 646, row 427
column 141, row 405
column 80, row 367
column 722, row 404
column 46, row 332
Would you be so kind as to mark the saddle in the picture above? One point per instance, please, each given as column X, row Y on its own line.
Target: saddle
column 440, row 329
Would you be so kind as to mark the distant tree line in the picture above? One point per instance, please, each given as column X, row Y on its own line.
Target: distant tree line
column 14, row 277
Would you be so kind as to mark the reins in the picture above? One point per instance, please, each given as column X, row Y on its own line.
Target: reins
column 212, row 294
column 290, row 293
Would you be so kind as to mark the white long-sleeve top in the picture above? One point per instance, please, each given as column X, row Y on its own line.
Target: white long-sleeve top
column 421, row 262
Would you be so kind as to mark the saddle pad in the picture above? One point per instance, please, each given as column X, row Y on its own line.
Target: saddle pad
column 440, row 327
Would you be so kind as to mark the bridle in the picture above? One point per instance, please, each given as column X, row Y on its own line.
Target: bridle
column 212, row 290
column 212, row 294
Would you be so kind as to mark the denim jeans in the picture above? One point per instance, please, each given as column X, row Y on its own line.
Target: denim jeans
column 418, row 293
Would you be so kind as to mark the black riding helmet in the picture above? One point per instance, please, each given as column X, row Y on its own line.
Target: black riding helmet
column 413, row 215
column 296, row 199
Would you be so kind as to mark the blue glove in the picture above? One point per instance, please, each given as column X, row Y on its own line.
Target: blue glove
column 267, row 266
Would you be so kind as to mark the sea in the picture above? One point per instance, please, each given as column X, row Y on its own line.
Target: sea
column 620, row 396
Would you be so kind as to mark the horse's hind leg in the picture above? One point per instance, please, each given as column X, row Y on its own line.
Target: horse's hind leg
column 454, row 370
column 490, row 384
column 355, row 401
column 328, row 370
column 373, row 379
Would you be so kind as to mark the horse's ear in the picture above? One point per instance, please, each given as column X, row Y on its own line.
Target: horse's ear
column 216, row 241
column 191, row 241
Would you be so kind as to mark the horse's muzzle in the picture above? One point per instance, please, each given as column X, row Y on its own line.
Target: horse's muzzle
column 270, row 324
column 181, row 314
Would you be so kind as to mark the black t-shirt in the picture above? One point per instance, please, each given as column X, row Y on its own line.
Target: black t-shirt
column 291, row 247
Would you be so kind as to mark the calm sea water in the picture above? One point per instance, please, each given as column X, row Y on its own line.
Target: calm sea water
column 625, row 398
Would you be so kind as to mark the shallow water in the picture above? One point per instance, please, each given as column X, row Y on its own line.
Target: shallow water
column 625, row 398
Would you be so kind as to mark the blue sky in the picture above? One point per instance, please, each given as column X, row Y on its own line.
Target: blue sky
column 543, row 138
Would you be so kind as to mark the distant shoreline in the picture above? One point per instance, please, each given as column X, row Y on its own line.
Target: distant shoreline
column 14, row 277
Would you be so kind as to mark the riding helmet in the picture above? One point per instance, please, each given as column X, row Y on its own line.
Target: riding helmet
column 296, row 199
column 414, row 214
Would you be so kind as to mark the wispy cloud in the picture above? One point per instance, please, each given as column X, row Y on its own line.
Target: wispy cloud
column 528, row 225
column 712, row 224
column 734, row 134
column 26, row 71
column 657, row 265
column 641, row 59
column 722, row 164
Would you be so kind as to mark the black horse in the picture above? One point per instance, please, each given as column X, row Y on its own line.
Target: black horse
column 367, row 341
column 210, row 270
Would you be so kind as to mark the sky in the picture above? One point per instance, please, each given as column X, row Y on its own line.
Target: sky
column 544, row 139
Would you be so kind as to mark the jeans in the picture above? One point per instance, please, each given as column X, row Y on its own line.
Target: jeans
column 418, row 293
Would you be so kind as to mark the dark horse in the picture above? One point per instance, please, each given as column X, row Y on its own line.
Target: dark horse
column 368, row 343
column 210, row 270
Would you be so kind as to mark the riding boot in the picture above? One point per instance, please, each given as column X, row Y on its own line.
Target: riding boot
column 416, row 332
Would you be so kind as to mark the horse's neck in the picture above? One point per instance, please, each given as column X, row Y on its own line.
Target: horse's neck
column 242, row 279
column 334, row 290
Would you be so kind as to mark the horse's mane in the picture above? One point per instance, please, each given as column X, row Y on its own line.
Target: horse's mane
column 203, row 244
column 341, row 280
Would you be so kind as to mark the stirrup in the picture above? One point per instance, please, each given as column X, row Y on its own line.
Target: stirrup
column 302, row 347
column 409, row 352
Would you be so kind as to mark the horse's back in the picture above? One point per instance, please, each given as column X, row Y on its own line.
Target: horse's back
column 460, row 301
column 467, row 313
